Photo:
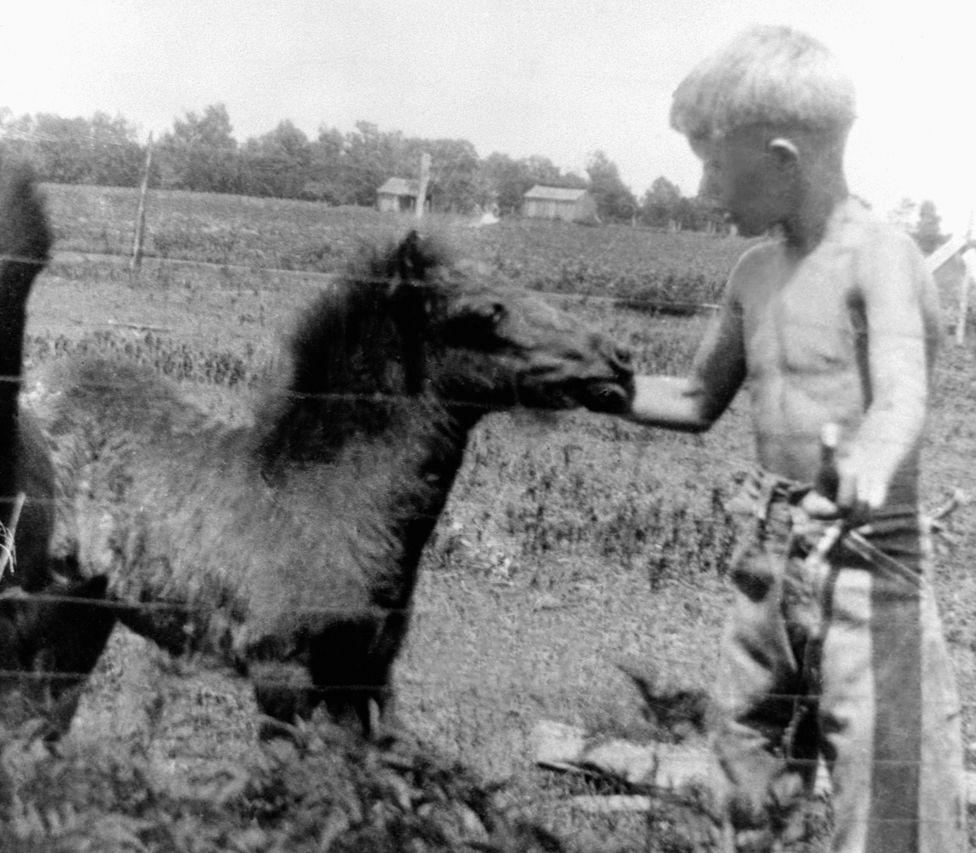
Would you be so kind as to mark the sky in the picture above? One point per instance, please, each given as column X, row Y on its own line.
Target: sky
column 560, row 78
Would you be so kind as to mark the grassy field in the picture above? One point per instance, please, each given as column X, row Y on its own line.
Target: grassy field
column 611, row 260
column 571, row 542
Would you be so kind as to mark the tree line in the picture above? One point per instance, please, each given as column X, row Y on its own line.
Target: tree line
column 200, row 153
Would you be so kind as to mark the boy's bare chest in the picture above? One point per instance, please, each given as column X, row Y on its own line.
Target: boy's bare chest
column 803, row 318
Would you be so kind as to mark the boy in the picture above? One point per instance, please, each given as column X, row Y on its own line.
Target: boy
column 834, row 647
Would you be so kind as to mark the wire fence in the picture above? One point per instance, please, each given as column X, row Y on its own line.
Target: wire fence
column 378, row 399
column 188, row 610
column 458, row 683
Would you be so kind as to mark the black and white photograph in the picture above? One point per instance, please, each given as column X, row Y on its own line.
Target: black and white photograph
column 487, row 426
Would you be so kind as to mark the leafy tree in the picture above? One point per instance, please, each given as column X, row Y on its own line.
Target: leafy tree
column 100, row 150
column 696, row 214
column 660, row 203
column 505, row 180
column 614, row 200
column 60, row 148
column 454, row 179
column 370, row 158
column 572, row 181
column 928, row 233
column 277, row 164
column 326, row 156
column 200, row 153
column 541, row 170
column 115, row 156
column 13, row 139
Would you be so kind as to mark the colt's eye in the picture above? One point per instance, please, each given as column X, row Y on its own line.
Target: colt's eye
column 495, row 312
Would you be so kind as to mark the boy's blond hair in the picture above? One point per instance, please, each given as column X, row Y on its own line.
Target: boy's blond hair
column 768, row 75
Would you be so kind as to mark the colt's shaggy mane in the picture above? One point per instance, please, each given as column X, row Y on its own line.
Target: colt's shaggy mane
column 356, row 352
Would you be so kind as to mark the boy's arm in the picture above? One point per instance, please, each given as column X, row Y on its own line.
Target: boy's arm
column 901, row 324
column 693, row 403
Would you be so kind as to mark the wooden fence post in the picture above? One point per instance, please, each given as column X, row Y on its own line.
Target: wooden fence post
column 140, row 228
column 422, row 185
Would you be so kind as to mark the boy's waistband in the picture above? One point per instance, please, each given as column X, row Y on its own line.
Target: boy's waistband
column 893, row 536
column 762, row 492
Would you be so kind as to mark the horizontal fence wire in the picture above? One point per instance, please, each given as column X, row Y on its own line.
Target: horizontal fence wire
column 210, row 661
column 678, row 307
column 619, row 300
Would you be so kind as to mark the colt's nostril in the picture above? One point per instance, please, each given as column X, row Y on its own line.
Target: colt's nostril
column 623, row 355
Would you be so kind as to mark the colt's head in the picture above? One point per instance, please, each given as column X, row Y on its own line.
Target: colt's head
column 495, row 346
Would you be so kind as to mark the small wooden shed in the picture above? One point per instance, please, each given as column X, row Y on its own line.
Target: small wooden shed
column 570, row 205
column 398, row 194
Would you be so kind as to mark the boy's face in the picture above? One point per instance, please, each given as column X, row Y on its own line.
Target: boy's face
column 753, row 183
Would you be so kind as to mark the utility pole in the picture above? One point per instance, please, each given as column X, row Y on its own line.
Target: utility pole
column 422, row 185
column 140, row 230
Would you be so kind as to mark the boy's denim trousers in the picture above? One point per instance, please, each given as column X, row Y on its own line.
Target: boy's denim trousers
column 837, row 655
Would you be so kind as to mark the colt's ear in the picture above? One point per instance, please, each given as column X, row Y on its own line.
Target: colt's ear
column 407, row 255
column 413, row 257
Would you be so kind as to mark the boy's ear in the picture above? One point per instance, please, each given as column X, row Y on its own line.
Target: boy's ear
column 784, row 150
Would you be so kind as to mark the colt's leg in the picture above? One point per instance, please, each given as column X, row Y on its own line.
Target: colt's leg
column 347, row 677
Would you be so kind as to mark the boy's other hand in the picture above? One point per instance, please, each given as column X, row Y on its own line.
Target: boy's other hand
column 817, row 505
column 861, row 489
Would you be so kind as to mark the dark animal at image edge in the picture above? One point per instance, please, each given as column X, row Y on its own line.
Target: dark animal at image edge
column 45, row 624
column 290, row 547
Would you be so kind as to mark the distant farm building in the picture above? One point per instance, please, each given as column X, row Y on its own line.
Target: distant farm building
column 559, row 203
column 398, row 195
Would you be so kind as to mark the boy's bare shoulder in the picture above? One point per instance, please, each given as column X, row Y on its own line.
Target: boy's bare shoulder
column 882, row 251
